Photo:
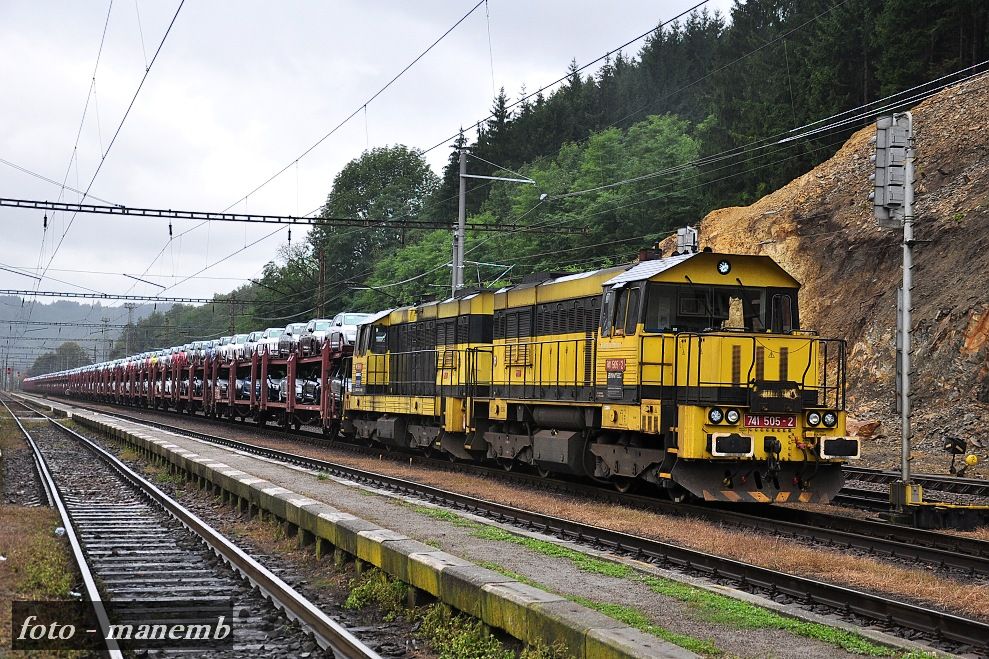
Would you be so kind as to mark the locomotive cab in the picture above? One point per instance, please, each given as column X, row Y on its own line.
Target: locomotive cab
column 707, row 372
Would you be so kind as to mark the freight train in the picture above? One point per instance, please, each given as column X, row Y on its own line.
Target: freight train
column 688, row 373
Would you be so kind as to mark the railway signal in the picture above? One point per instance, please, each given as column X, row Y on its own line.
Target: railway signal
column 891, row 182
column 892, row 203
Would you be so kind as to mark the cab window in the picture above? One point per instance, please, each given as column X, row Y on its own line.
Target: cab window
column 631, row 312
column 608, row 312
column 379, row 339
column 782, row 317
column 660, row 301
column 620, row 311
column 698, row 308
column 361, row 344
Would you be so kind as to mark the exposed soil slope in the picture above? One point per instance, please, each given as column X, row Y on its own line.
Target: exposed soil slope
column 820, row 228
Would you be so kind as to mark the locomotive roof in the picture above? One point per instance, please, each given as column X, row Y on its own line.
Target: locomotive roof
column 706, row 268
column 647, row 269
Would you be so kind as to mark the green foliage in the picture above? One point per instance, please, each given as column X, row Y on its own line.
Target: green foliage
column 68, row 355
column 455, row 636
column 374, row 588
column 736, row 613
column 387, row 183
column 542, row 651
column 580, row 560
column 635, row 618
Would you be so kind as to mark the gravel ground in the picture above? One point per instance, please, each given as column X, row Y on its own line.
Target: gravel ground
column 558, row 574
column 19, row 484
column 318, row 581
column 87, row 486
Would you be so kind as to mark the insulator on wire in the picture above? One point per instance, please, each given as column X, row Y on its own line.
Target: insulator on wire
column 169, row 229
column 290, row 235
column 45, row 221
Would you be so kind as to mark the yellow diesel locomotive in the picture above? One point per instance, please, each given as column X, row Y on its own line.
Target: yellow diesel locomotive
column 689, row 372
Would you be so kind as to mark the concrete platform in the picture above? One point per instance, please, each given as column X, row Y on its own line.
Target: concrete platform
column 528, row 614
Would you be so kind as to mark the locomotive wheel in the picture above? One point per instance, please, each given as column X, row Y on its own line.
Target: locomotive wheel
column 624, row 485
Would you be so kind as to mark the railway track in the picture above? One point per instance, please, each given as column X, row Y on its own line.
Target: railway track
column 870, row 537
column 901, row 617
column 140, row 545
column 951, row 484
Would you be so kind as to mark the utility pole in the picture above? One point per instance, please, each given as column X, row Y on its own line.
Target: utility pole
column 233, row 316
column 458, row 237
column 320, row 293
column 103, row 330
column 130, row 306
column 892, row 199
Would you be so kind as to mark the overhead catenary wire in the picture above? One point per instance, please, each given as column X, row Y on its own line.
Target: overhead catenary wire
column 120, row 127
column 362, row 106
column 114, row 296
column 578, row 70
column 73, row 156
column 669, row 95
column 112, row 141
column 44, row 178
column 825, row 127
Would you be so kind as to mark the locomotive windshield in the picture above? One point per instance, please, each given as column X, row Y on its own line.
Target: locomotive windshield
column 698, row 308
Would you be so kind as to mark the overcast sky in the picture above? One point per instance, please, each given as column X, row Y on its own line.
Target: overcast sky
column 239, row 90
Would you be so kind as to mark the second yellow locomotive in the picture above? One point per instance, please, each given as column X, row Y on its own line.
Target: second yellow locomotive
column 689, row 372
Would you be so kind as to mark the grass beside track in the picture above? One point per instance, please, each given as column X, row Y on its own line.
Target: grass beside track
column 35, row 564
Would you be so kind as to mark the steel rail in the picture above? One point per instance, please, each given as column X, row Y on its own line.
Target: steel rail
column 89, row 583
column 952, row 484
column 328, row 633
column 945, row 550
column 940, row 624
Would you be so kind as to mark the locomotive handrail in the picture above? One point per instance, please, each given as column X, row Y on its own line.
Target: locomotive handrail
column 691, row 343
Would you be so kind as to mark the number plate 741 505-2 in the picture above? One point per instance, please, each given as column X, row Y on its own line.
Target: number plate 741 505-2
column 770, row 421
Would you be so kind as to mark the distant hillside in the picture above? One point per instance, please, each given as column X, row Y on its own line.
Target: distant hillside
column 39, row 339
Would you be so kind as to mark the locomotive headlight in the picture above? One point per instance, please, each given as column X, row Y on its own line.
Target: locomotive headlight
column 814, row 419
column 715, row 415
column 830, row 419
column 732, row 416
